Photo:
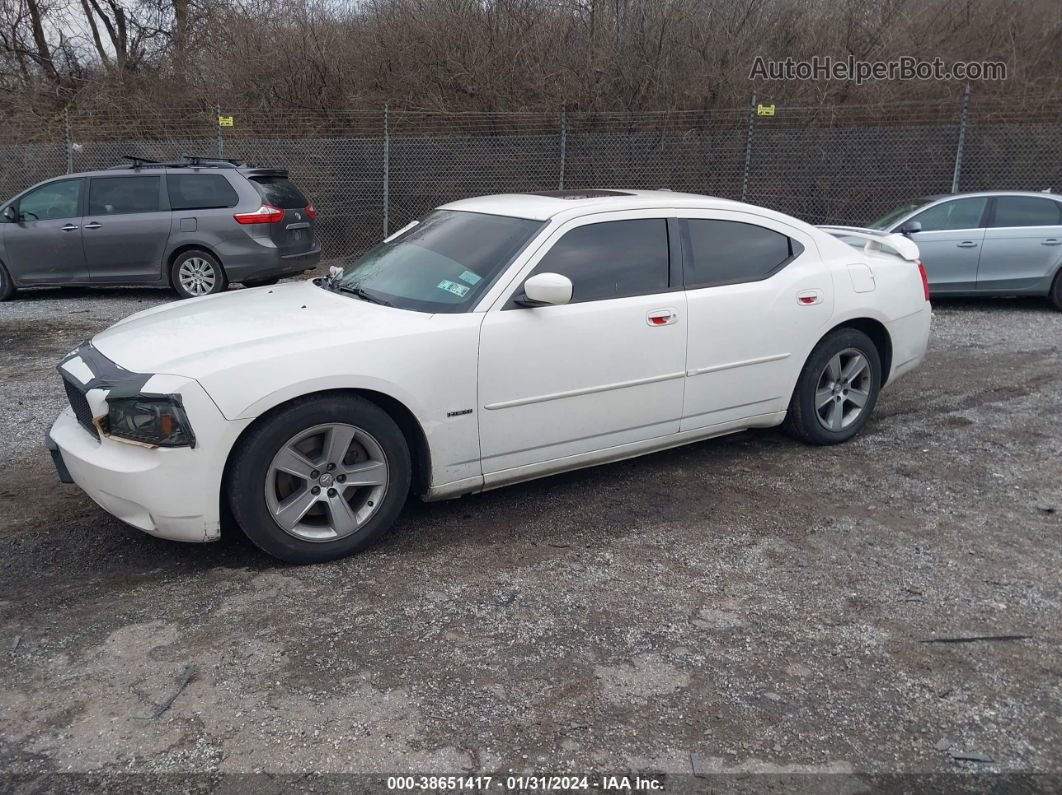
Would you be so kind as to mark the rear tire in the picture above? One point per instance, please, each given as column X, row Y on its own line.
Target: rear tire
column 349, row 450
column 1056, row 291
column 7, row 287
column 196, row 273
column 837, row 389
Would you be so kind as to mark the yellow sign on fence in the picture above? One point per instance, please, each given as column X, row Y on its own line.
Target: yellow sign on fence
column 224, row 121
column 765, row 110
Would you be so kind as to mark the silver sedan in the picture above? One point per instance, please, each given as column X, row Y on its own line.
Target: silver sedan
column 998, row 243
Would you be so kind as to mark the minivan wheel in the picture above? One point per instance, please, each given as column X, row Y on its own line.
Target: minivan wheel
column 320, row 479
column 837, row 389
column 7, row 287
column 261, row 282
column 196, row 273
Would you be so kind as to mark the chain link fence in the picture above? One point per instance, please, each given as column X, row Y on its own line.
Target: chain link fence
column 371, row 172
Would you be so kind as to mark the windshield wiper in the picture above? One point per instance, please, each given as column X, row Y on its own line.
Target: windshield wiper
column 360, row 292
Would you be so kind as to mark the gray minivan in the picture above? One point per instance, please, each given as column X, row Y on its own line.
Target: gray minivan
column 992, row 243
column 195, row 224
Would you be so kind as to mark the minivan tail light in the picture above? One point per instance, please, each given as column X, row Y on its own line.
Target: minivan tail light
column 266, row 214
column 925, row 279
column 310, row 211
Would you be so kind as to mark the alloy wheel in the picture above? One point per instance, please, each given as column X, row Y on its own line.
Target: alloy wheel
column 196, row 276
column 843, row 389
column 326, row 482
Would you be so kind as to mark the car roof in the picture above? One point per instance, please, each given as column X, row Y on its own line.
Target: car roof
column 561, row 205
column 1043, row 194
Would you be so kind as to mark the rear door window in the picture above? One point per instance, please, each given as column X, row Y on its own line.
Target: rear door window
column 1026, row 211
column 731, row 252
column 122, row 195
column 613, row 259
column 200, row 192
column 280, row 192
column 957, row 214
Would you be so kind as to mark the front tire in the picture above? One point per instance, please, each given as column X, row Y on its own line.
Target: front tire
column 196, row 273
column 837, row 389
column 320, row 479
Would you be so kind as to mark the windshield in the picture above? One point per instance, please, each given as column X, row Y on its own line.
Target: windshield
column 442, row 264
column 893, row 216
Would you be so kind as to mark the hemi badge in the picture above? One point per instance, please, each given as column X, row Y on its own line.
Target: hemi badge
column 460, row 413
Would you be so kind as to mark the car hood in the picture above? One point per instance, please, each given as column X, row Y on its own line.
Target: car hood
column 202, row 336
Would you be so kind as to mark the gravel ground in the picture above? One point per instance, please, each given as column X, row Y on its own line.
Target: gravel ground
column 743, row 605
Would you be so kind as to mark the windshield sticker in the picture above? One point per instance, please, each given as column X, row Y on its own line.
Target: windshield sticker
column 470, row 278
column 453, row 287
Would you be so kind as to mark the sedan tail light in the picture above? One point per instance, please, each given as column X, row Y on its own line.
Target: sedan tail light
column 266, row 214
column 310, row 211
column 925, row 279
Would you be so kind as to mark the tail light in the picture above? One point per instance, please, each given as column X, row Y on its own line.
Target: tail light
column 266, row 214
column 310, row 211
column 925, row 279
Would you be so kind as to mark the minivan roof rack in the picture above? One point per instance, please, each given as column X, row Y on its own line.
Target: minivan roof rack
column 139, row 161
column 185, row 161
column 198, row 160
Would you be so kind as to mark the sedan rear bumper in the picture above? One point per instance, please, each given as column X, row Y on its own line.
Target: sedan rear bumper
column 910, row 340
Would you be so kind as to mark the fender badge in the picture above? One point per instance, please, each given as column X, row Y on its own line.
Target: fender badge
column 460, row 413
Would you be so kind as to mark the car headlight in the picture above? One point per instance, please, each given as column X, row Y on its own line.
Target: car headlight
column 158, row 421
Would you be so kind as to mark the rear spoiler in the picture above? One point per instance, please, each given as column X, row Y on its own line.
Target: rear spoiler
column 877, row 240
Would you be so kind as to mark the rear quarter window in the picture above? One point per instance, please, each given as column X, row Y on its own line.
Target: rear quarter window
column 280, row 192
column 200, row 192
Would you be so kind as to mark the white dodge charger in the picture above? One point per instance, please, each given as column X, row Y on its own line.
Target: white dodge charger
column 495, row 340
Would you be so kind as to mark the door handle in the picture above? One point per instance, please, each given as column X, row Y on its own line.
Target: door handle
column 967, row 244
column 70, row 227
column 1051, row 241
column 661, row 317
column 92, row 225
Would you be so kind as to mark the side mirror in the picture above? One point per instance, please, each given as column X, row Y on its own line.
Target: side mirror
column 545, row 289
column 910, row 228
column 10, row 214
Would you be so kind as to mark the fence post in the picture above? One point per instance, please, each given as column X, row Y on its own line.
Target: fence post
column 221, row 138
column 962, row 139
column 69, row 142
column 386, row 172
column 748, row 149
column 563, row 146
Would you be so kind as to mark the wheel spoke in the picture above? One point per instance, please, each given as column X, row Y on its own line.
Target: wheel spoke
column 367, row 473
column 290, row 512
column 337, row 444
column 294, row 463
column 836, row 416
column 822, row 397
column 341, row 516
column 857, row 397
column 833, row 368
column 855, row 366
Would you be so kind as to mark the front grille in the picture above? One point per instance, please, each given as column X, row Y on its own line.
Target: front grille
column 80, row 405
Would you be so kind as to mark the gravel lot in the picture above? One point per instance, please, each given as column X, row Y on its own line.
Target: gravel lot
column 749, row 603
